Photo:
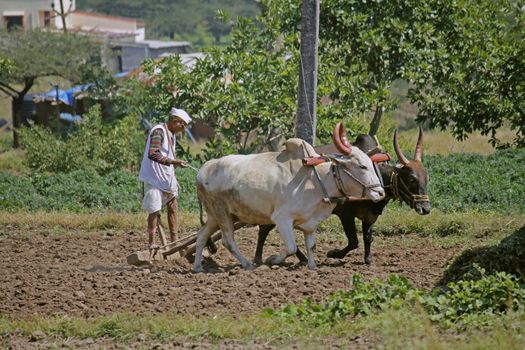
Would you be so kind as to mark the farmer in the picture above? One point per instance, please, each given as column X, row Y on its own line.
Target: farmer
column 157, row 171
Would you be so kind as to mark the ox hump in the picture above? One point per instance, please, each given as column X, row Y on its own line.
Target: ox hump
column 294, row 147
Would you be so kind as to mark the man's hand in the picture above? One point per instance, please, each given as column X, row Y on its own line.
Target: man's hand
column 177, row 163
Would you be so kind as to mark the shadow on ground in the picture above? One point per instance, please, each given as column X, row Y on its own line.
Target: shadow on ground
column 507, row 256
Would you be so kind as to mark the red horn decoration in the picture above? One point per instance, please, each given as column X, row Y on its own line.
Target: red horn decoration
column 340, row 139
column 400, row 154
column 419, row 146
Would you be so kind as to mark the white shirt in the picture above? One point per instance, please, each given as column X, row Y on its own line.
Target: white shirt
column 158, row 175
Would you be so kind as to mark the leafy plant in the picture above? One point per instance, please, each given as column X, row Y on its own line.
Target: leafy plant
column 463, row 300
column 472, row 181
column 458, row 302
column 363, row 299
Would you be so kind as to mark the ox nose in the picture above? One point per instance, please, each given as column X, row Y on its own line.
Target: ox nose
column 423, row 209
column 377, row 194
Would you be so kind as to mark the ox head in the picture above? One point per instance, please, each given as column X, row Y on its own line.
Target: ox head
column 412, row 178
column 357, row 176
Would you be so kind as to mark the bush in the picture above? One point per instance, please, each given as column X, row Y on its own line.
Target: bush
column 94, row 146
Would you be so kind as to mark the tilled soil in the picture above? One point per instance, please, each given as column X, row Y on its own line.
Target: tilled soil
column 86, row 274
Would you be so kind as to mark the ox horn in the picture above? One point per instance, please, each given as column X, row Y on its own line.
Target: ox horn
column 419, row 146
column 399, row 153
column 340, row 139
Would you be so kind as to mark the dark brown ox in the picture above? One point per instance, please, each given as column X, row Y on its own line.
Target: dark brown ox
column 406, row 182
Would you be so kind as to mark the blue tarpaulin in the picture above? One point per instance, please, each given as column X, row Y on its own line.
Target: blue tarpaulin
column 68, row 96
column 68, row 117
column 55, row 94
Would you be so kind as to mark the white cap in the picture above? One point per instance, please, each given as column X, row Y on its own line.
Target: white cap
column 181, row 114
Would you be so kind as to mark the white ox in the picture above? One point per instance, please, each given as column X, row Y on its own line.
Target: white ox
column 276, row 188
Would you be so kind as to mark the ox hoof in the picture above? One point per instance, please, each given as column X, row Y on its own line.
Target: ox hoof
column 341, row 253
column 198, row 269
column 249, row 267
column 336, row 254
column 257, row 261
column 273, row 260
column 312, row 266
column 368, row 260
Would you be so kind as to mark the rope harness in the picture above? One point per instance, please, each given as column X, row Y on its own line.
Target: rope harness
column 401, row 191
column 336, row 168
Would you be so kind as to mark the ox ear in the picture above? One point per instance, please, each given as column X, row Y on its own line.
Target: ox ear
column 418, row 154
column 399, row 153
column 340, row 139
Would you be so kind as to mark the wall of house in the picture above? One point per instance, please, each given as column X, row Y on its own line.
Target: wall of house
column 32, row 12
column 154, row 53
column 132, row 56
column 100, row 22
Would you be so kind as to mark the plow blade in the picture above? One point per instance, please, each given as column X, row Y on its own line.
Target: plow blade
column 180, row 248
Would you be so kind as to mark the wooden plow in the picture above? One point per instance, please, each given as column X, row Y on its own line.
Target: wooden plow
column 183, row 247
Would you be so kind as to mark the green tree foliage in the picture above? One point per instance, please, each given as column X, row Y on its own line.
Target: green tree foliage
column 477, row 83
column 36, row 54
column 177, row 19
column 247, row 95
column 465, row 59
column 248, row 90
column 6, row 65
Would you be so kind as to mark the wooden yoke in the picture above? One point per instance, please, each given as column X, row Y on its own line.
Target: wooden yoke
column 314, row 161
column 380, row 157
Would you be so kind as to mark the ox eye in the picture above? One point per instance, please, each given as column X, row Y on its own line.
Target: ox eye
column 363, row 167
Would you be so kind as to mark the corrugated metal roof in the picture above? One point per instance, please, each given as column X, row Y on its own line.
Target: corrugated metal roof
column 159, row 44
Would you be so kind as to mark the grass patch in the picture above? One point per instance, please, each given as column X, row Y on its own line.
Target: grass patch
column 12, row 161
column 412, row 329
column 442, row 142
column 164, row 327
column 392, row 329
column 58, row 222
column 442, row 228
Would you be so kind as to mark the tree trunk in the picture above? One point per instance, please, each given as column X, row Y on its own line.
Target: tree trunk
column 63, row 16
column 376, row 122
column 18, row 100
column 307, row 89
column 17, row 116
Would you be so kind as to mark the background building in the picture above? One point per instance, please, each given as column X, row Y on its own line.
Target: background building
column 124, row 36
